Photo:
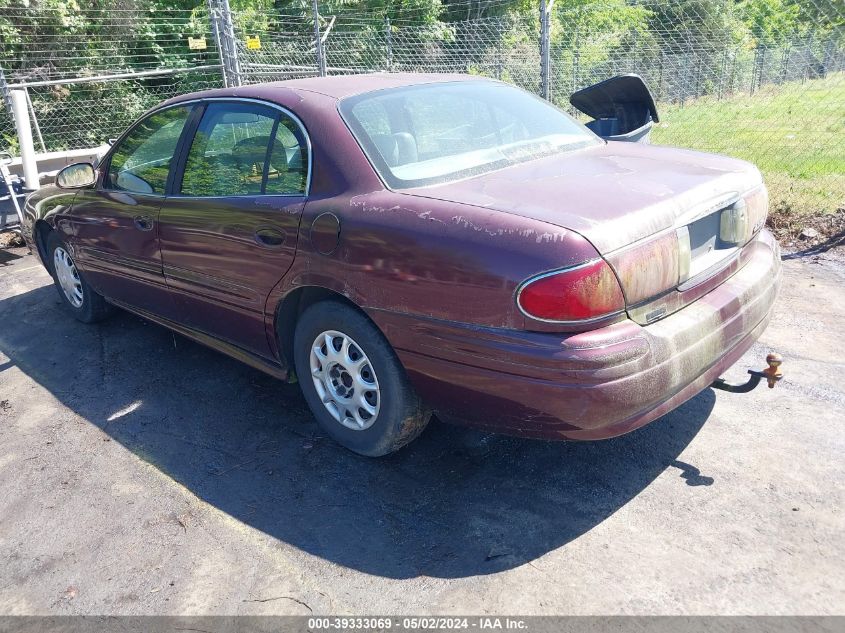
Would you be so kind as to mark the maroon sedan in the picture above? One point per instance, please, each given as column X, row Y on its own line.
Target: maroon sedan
column 404, row 245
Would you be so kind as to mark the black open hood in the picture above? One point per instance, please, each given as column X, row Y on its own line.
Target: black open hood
column 605, row 99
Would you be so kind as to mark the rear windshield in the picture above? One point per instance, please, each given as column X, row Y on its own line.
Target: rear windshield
column 434, row 133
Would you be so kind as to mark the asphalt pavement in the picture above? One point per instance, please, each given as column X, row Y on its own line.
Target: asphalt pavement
column 142, row 473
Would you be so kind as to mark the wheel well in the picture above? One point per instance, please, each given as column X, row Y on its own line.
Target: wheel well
column 40, row 231
column 294, row 304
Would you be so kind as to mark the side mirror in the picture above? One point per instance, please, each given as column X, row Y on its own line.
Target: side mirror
column 76, row 176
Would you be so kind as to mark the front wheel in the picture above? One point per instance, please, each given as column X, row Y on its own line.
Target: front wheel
column 78, row 297
column 353, row 381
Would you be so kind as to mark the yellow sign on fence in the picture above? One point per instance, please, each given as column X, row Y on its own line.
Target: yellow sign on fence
column 197, row 43
column 253, row 43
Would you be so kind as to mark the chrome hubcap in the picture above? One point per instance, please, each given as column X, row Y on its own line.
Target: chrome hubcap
column 345, row 380
column 67, row 276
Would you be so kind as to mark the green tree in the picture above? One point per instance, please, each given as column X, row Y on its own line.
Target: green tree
column 771, row 22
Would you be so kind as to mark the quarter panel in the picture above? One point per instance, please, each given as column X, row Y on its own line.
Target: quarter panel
column 594, row 384
column 401, row 253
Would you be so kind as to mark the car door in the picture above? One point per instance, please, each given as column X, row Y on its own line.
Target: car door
column 113, row 227
column 229, row 229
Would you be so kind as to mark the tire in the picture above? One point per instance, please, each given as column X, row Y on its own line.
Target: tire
column 80, row 299
column 395, row 415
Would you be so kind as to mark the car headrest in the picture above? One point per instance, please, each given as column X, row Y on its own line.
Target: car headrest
column 251, row 150
column 396, row 149
column 406, row 147
column 386, row 145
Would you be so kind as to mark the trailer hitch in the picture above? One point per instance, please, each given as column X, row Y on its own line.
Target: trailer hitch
column 772, row 374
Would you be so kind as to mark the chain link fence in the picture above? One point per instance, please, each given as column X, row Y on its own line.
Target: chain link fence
column 89, row 73
column 763, row 80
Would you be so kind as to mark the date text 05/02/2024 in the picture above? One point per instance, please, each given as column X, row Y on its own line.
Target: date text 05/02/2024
column 417, row 623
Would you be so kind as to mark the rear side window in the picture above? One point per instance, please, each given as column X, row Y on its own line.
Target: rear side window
column 243, row 149
column 287, row 171
column 141, row 162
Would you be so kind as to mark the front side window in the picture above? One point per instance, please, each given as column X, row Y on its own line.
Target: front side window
column 243, row 149
column 142, row 160
column 440, row 132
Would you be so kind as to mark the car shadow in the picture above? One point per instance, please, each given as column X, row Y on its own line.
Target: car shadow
column 455, row 503
column 833, row 241
column 7, row 256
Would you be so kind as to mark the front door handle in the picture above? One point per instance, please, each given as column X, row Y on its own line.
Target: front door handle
column 270, row 237
column 143, row 223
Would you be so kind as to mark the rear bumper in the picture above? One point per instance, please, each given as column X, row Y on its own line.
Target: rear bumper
column 595, row 384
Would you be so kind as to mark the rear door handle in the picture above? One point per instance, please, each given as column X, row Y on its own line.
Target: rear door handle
column 143, row 223
column 270, row 237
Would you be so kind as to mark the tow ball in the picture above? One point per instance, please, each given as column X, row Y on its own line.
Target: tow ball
column 772, row 374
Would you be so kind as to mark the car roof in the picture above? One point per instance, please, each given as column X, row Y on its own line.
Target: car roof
column 340, row 86
column 335, row 87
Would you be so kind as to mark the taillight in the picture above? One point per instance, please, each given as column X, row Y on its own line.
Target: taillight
column 757, row 208
column 649, row 268
column 581, row 293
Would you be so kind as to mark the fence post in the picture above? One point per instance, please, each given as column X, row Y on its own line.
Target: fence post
column 576, row 56
column 754, row 69
column 20, row 110
column 321, row 58
column 698, row 70
column 828, row 57
column 808, row 58
column 35, row 120
column 232, row 43
column 545, row 49
column 388, row 40
column 500, row 40
column 661, row 89
column 215, row 33
column 735, row 70
column 721, row 90
column 223, row 30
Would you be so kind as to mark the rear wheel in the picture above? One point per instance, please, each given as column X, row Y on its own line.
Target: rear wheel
column 78, row 297
column 353, row 381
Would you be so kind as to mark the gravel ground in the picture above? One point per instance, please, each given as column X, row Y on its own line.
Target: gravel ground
column 144, row 474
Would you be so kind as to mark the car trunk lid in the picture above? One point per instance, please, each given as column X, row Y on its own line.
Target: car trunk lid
column 622, row 108
column 634, row 203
